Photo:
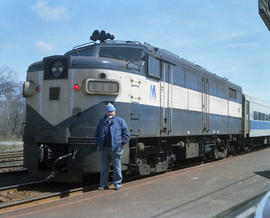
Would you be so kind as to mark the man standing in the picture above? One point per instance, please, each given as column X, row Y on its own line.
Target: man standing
column 111, row 134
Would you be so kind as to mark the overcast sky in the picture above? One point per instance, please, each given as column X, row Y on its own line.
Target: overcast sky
column 227, row 37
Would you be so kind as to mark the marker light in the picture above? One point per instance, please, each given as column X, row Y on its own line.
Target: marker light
column 76, row 87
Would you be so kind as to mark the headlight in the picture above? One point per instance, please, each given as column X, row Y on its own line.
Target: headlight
column 28, row 89
column 57, row 69
column 101, row 87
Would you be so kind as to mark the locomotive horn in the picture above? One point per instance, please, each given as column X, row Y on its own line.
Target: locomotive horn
column 109, row 36
column 95, row 35
column 101, row 36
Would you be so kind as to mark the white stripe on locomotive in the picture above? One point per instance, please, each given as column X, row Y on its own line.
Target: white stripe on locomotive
column 133, row 87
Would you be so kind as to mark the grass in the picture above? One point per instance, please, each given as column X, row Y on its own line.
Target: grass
column 10, row 145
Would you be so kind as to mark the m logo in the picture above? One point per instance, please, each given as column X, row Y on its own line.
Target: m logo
column 153, row 92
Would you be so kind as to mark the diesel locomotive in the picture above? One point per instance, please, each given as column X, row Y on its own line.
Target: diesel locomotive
column 175, row 110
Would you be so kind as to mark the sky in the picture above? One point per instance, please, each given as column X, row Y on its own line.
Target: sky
column 227, row 37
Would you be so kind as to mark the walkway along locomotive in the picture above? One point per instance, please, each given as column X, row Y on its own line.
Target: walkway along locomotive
column 175, row 110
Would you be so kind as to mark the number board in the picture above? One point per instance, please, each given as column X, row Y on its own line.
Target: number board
column 102, row 87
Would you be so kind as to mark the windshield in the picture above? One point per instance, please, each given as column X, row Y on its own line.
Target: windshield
column 88, row 51
column 122, row 53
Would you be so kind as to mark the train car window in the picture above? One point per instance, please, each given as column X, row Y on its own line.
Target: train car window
column 154, row 67
column 259, row 116
column 263, row 117
column 255, row 115
column 247, row 107
column 232, row 93
column 122, row 53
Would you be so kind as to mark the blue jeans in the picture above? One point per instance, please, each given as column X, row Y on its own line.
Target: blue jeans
column 106, row 156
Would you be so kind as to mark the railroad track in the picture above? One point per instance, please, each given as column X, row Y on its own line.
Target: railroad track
column 11, row 160
column 16, row 193
column 38, row 192
column 11, row 154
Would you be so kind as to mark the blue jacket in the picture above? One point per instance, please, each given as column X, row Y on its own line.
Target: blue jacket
column 119, row 132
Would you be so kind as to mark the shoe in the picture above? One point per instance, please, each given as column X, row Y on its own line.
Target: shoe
column 117, row 187
column 103, row 188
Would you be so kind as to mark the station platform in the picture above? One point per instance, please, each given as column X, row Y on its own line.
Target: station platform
column 200, row 191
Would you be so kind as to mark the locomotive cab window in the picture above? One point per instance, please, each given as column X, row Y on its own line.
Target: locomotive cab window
column 87, row 51
column 154, row 67
column 122, row 53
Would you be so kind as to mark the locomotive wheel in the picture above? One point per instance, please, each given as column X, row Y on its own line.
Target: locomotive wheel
column 220, row 152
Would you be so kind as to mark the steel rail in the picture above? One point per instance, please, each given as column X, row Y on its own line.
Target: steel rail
column 11, row 152
column 11, row 166
column 4, row 208
column 8, row 188
column 11, row 159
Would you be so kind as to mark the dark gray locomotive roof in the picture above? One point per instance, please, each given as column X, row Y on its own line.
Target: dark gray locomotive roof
column 163, row 54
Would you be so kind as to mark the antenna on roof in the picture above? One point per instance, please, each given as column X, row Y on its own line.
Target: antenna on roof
column 101, row 36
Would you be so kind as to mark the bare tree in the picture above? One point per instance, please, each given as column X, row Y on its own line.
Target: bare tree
column 12, row 104
column 7, row 81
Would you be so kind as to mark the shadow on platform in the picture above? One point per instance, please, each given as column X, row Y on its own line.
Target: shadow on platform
column 265, row 174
